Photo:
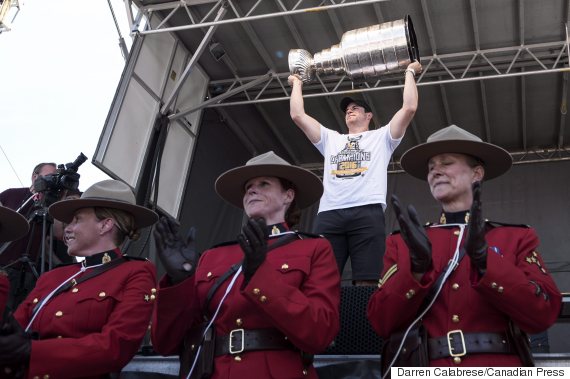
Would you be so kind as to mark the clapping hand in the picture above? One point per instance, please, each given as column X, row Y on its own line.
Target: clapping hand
column 415, row 237
column 178, row 255
column 253, row 242
column 475, row 243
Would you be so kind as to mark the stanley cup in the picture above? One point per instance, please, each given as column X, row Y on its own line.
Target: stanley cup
column 362, row 53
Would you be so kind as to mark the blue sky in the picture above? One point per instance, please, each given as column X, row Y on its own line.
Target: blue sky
column 59, row 69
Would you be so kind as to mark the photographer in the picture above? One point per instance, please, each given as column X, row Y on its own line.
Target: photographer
column 22, row 201
column 16, row 198
column 25, row 258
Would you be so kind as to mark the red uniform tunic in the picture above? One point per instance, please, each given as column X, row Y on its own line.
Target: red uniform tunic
column 296, row 290
column 93, row 328
column 516, row 286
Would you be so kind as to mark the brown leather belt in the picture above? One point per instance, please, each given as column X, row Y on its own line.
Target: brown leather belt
column 240, row 340
column 458, row 344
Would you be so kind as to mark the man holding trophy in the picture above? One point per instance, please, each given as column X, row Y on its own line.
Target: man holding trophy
column 351, row 210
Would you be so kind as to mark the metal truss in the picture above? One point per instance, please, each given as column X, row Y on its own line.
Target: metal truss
column 183, row 6
column 543, row 58
column 439, row 69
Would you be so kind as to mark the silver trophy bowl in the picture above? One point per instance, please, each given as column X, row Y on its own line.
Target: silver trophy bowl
column 362, row 54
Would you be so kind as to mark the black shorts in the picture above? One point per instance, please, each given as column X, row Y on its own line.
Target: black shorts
column 358, row 232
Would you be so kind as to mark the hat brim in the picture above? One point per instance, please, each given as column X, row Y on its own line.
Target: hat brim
column 496, row 160
column 231, row 184
column 13, row 225
column 64, row 210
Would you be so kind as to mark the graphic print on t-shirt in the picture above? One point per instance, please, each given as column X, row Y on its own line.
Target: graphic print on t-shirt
column 349, row 160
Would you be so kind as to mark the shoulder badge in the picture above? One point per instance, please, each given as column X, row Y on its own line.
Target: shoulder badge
column 535, row 259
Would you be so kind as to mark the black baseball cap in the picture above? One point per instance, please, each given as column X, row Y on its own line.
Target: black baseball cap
column 347, row 100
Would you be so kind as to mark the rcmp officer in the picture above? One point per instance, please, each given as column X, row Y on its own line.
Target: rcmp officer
column 500, row 278
column 88, row 319
column 12, row 227
column 282, row 300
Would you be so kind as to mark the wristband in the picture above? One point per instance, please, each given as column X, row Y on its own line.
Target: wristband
column 410, row 70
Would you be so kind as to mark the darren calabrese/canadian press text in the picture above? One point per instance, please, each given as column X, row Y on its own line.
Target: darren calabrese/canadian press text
column 480, row 372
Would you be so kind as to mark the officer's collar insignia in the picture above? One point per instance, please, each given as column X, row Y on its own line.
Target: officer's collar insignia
column 461, row 217
column 276, row 229
column 100, row 258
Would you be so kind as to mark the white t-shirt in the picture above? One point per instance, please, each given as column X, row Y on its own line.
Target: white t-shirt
column 356, row 167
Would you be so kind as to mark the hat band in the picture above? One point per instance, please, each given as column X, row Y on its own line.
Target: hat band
column 108, row 199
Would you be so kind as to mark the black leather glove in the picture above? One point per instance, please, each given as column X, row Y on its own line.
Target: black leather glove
column 475, row 244
column 415, row 237
column 15, row 344
column 178, row 256
column 253, row 242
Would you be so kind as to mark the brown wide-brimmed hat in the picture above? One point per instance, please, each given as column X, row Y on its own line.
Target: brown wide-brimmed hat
column 453, row 139
column 231, row 184
column 105, row 194
column 13, row 225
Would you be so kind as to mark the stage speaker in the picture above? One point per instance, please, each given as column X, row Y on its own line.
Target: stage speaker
column 356, row 335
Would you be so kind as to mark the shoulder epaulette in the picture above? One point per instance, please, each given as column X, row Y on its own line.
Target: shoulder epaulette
column 302, row 235
column 496, row 223
column 225, row 243
column 398, row 231
column 133, row 258
column 66, row 264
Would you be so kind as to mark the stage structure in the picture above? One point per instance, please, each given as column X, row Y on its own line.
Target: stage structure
column 205, row 88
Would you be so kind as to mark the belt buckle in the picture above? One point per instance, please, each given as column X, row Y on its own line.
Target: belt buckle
column 450, row 338
column 231, row 339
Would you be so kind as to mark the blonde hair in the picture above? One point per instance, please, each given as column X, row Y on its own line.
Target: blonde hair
column 124, row 221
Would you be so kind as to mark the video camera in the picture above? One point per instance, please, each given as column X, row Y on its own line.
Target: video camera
column 64, row 178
